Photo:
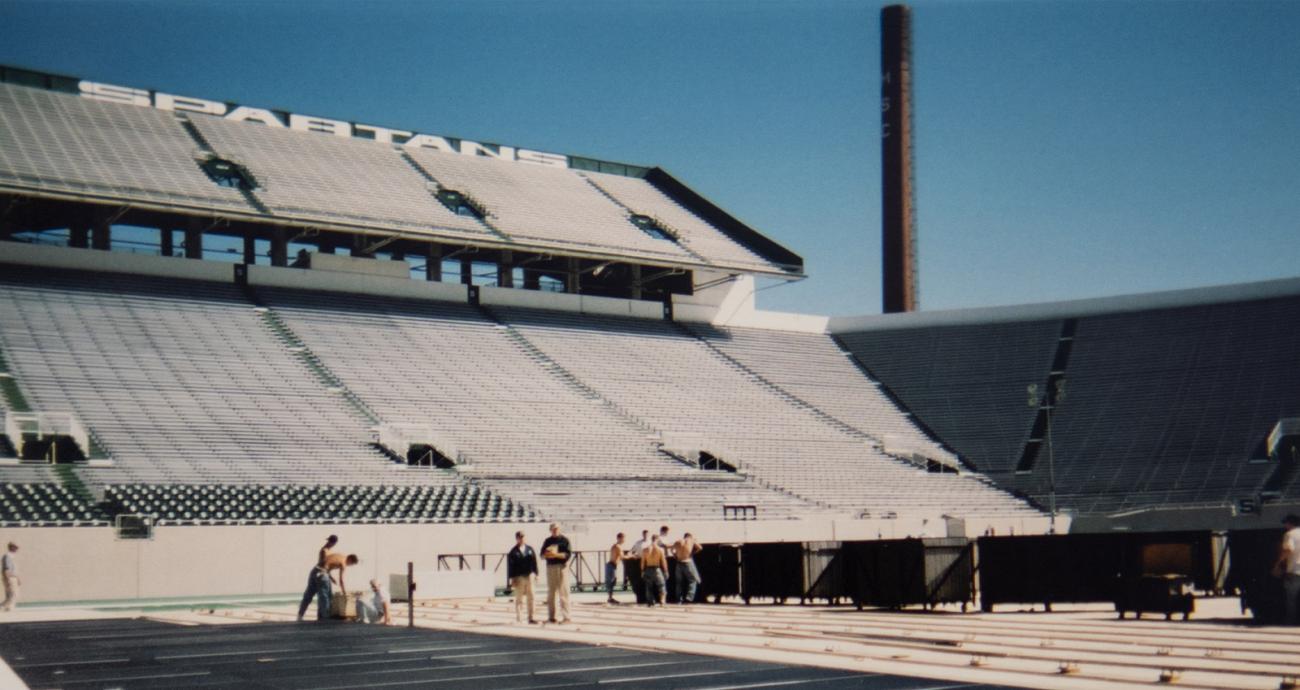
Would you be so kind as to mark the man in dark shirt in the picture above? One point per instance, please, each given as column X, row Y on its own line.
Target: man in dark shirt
column 556, row 551
column 521, row 568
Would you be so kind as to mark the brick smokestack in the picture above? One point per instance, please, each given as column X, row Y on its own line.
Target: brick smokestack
column 898, row 217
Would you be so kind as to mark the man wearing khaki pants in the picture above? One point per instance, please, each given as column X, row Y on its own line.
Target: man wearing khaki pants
column 10, row 573
column 556, row 551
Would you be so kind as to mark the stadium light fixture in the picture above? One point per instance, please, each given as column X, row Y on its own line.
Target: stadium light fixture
column 1047, row 402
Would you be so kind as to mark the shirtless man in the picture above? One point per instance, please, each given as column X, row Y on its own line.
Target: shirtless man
column 616, row 555
column 688, row 576
column 318, row 583
column 339, row 562
column 655, row 570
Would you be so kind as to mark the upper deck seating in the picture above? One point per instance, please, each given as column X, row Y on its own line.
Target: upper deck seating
column 62, row 142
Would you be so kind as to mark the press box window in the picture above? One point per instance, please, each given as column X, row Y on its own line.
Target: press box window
column 651, row 227
column 459, row 204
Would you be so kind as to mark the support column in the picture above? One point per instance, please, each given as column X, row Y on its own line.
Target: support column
column 79, row 235
column 359, row 243
column 532, row 279
column 572, row 276
column 433, row 263
column 466, row 271
column 636, row 281
column 194, row 240
column 279, row 247
column 506, row 269
column 101, row 236
column 165, row 247
column 250, row 247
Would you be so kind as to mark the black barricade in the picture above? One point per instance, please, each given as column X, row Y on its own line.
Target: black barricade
column 719, row 566
column 1253, row 553
column 1049, row 569
column 632, row 570
column 1091, row 567
column 771, row 571
column 823, row 567
column 894, row 573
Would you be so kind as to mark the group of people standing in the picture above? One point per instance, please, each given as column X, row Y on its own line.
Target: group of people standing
column 320, row 586
column 521, row 569
column 645, row 565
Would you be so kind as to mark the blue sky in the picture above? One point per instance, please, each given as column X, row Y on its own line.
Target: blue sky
column 1064, row 149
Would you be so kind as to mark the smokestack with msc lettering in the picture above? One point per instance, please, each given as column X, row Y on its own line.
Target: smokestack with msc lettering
column 898, row 218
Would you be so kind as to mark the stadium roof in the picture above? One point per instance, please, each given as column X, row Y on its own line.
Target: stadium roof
column 75, row 140
column 1190, row 297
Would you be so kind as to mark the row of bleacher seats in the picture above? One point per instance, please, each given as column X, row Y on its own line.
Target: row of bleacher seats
column 58, row 142
column 447, row 366
column 1165, row 407
column 182, row 383
column 652, row 499
column 186, row 384
column 1170, row 406
column 814, row 369
column 296, row 504
column 681, row 388
column 44, row 504
column 966, row 382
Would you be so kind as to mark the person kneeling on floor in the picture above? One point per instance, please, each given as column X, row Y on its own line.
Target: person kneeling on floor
column 374, row 609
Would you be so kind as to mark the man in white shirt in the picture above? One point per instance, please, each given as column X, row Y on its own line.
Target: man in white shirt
column 9, row 569
column 1288, row 567
column 632, row 566
column 376, row 609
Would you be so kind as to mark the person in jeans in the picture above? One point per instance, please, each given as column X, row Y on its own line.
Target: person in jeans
column 556, row 551
column 654, row 571
column 521, row 569
column 318, row 583
column 611, row 567
column 688, row 577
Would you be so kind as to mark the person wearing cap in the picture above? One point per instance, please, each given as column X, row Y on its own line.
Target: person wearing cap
column 9, row 569
column 521, row 569
column 556, row 551
column 318, row 583
column 1287, row 567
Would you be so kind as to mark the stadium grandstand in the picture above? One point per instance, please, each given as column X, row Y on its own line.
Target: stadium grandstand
column 233, row 325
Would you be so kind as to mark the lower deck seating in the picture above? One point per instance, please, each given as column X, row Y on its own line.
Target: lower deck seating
column 174, row 504
column 44, row 505
column 653, row 499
